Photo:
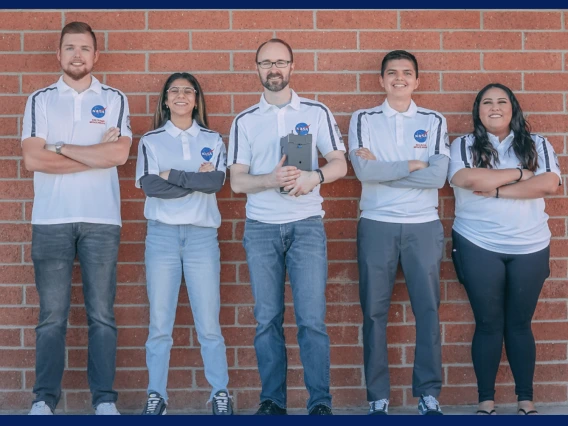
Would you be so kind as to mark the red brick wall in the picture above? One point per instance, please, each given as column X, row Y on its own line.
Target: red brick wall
column 338, row 54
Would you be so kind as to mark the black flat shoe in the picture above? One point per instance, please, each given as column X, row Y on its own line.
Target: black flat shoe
column 485, row 412
column 526, row 413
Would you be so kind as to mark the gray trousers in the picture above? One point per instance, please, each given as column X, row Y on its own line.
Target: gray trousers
column 419, row 248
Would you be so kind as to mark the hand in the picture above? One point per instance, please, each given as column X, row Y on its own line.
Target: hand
column 111, row 135
column 414, row 165
column 283, row 176
column 165, row 174
column 487, row 194
column 206, row 167
column 527, row 174
column 365, row 154
column 49, row 147
column 304, row 184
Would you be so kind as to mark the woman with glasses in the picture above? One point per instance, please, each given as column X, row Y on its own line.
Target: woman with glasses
column 181, row 165
column 501, row 240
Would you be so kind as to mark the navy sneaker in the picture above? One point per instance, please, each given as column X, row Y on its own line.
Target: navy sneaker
column 378, row 408
column 429, row 406
column 155, row 405
column 222, row 404
column 270, row 408
column 321, row 410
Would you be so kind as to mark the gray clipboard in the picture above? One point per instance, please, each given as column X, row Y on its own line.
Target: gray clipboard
column 298, row 151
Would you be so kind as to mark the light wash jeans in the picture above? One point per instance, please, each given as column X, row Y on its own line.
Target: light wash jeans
column 300, row 248
column 193, row 250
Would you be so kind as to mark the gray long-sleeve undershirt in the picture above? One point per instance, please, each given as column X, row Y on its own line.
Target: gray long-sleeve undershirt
column 180, row 184
column 397, row 175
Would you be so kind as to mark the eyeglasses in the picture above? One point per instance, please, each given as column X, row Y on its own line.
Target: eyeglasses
column 268, row 64
column 186, row 90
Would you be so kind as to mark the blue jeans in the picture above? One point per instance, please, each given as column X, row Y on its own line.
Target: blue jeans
column 53, row 252
column 300, row 248
column 193, row 250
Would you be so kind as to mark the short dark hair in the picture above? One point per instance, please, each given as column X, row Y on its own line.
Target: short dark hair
column 398, row 54
column 275, row 40
column 78, row 28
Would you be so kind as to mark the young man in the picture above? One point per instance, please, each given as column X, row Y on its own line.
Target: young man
column 400, row 153
column 284, row 232
column 75, row 133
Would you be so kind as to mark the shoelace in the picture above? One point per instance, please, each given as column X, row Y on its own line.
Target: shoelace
column 378, row 405
column 152, row 404
column 431, row 402
column 222, row 403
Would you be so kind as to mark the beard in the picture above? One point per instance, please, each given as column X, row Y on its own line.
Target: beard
column 76, row 74
column 275, row 86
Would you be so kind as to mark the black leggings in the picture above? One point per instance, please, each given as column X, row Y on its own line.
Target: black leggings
column 503, row 290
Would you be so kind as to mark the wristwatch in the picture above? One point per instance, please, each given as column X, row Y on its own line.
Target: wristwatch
column 58, row 146
column 320, row 173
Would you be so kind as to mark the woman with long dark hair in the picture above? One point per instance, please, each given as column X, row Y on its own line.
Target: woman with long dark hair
column 181, row 165
column 501, row 240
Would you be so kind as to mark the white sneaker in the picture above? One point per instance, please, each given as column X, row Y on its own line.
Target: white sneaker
column 40, row 408
column 107, row 409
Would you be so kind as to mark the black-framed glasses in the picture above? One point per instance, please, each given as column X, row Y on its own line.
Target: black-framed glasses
column 281, row 63
column 186, row 90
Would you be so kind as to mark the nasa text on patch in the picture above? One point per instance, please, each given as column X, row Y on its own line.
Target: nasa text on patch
column 302, row 128
column 207, row 153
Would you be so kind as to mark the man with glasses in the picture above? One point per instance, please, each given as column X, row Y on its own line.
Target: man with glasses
column 284, row 230
column 75, row 133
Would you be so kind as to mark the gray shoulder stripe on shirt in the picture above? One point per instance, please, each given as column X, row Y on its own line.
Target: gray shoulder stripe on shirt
column 207, row 131
column 237, row 132
column 359, row 117
column 217, row 162
column 546, row 158
column 33, row 134
column 154, row 132
column 439, row 133
column 331, row 135
column 145, row 159
column 464, row 153
column 121, row 113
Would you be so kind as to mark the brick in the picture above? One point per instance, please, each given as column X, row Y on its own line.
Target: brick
column 272, row 19
column 544, row 61
column 349, row 19
column 109, row 62
column 148, row 41
column 17, row 358
column 221, row 124
column 551, row 352
column 188, row 20
column 455, row 61
column 8, row 126
column 319, row 40
column 236, row 40
column 546, row 41
column 13, row 105
column 482, row 40
column 455, row 312
column 350, row 102
column 10, row 337
column 24, row 21
column 29, row 62
column 536, row 102
column 342, row 188
column 447, row 102
column 16, row 400
column 9, row 83
column 10, row 42
column 109, row 20
column 10, row 254
column 390, row 40
column 550, row 81
column 554, row 123
column 459, row 123
column 49, row 42
column 246, row 62
column 15, row 232
column 342, row 272
column 341, row 229
column 339, row 61
column 412, row 20
column 31, row 82
column 194, row 61
column 231, row 209
column 429, row 82
column 557, row 227
column 8, row 168
column 473, row 82
column 515, row 20
column 458, row 333
column 341, row 250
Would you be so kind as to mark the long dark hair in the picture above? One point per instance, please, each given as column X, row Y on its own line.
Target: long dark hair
column 482, row 150
column 162, row 114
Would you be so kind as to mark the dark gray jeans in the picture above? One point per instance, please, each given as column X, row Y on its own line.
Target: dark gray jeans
column 419, row 248
column 53, row 251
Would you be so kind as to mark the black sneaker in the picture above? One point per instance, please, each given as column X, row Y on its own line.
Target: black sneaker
column 380, row 407
column 155, row 405
column 429, row 406
column 269, row 408
column 222, row 404
column 321, row 410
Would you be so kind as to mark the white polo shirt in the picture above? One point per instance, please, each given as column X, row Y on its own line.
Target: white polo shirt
column 169, row 148
column 58, row 113
column 497, row 224
column 392, row 136
column 255, row 142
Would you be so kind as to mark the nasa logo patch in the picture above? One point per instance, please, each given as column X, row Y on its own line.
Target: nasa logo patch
column 302, row 128
column 98, row 111
column 420, row 136
column 207, row 154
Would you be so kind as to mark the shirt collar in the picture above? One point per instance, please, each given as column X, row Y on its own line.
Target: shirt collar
column 495, row 140
column 389, row 111
column 176, row 131
column 265, row 106
column 95, row 85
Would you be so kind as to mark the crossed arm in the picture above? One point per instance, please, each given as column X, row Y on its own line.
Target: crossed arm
column 41, row 157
